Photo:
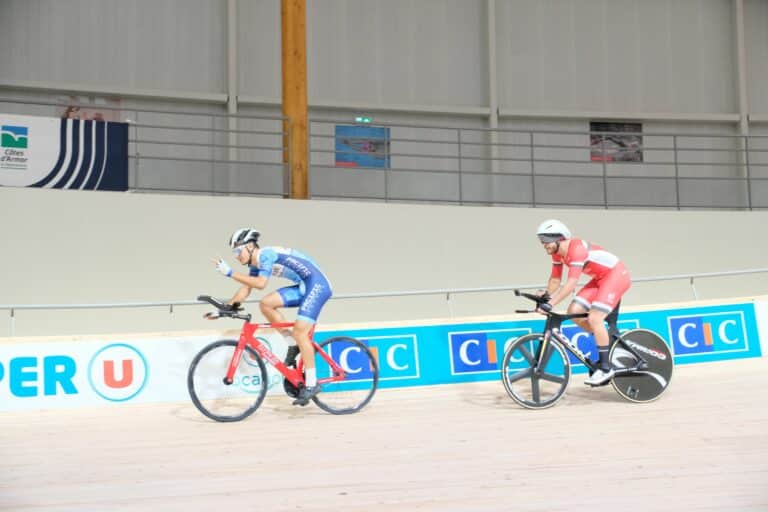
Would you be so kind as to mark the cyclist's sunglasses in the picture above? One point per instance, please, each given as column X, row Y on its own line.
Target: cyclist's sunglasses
column 548, row 239
column 237, row 250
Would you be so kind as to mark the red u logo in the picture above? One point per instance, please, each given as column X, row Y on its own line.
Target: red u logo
column 109, row 374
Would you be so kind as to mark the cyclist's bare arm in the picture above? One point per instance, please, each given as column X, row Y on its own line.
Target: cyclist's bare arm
column 242, row 293
column 552, row 285
column 259, row 282
column 249, row 283
column 565, row 291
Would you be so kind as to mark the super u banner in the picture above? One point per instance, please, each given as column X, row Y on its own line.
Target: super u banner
column 63, row 153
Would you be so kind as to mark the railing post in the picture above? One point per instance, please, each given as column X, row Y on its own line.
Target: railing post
column 695, row 293
column 749, row 174
column 461, row 195
column 13, row 323
column 677, row 171
column 137, row 155
column 533, row 171
column 213, row 155
column 448, row 301
column 309, row 158
column 387, row 171
column 605, row 172
column 288, row 158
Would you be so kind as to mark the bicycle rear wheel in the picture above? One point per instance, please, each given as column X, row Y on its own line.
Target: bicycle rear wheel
column 532, row 385
column 351, row 392
column 647, row 384
column 215, row 398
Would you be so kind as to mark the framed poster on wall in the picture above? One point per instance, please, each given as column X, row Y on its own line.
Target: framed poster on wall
column 362, row 146
column 616, row 142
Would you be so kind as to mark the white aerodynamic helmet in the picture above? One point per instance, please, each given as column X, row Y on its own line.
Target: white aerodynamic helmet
column 552, row 230
column 243, row 236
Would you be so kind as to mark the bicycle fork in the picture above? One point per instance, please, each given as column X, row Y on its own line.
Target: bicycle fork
column 229, row 378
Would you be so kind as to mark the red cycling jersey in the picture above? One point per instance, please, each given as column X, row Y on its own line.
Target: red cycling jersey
column 610, row 278
column 583, row 256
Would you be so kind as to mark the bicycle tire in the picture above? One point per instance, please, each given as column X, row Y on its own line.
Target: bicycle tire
column 354, row 392
column 212, row 396
column 649, row 384
column 518, row 365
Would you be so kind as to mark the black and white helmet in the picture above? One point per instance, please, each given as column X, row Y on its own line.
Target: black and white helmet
column 242, row 236
column 552, row 230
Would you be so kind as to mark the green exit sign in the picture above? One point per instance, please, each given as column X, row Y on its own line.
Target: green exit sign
column 363, row 119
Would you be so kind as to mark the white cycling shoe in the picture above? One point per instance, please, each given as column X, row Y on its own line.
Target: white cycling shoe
column 600, row 377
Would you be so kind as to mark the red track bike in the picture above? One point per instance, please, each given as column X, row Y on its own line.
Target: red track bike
column 228, row 379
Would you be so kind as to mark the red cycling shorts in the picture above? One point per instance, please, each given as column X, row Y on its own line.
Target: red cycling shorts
column 605, row 293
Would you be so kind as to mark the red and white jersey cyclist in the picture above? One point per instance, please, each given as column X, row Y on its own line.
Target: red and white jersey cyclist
column 610, row 281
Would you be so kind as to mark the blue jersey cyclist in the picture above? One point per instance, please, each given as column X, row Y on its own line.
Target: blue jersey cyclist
column 309, row 292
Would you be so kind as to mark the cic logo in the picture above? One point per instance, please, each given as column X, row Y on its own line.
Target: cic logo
column 715, row 332
column 480, row 352
column 118, row 372
column 397, row 356
column 349, row 356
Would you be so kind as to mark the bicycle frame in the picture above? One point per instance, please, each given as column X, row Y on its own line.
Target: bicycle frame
column 294, row 375
column 552, row 330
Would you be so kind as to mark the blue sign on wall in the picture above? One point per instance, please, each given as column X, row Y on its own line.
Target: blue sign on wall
column 466, row 352
column 362, row 146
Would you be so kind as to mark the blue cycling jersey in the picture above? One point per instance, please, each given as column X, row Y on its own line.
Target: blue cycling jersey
column 287, row 263
column 312, row 288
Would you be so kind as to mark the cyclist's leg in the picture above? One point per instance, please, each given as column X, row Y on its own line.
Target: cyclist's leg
column 609, row 292
column 270, row 305
column 288, row 296
column 318, row 291
column 612, row 320
column 581, row 304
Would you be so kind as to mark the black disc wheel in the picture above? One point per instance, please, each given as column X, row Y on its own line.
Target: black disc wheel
column 652, row 378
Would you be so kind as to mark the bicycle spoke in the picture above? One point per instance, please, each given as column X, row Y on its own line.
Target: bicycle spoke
column 520, row 375
column 559, row 379
column 547, row 355
column 526, row 354
column 535, row 391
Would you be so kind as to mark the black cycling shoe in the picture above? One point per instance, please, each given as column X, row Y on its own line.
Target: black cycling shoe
column 290, row 355
column 305, row 395
column 290, row 390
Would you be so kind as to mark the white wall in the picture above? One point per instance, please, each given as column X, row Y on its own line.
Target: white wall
column 756, row 42
column 644, row 56
column 141, row 44
column 617, row 56
column 91, row 247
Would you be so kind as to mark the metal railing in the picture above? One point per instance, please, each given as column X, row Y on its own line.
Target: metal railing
column 192, row 151
column 447, row 292
column 548, row 167
column 218, row 153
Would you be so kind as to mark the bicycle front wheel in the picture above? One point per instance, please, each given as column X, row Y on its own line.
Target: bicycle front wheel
column 532, row 379
column 649, row 383
column 347, row 373
column 217, row 399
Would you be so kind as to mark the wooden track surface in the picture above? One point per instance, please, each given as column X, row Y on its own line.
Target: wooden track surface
column 702, row 446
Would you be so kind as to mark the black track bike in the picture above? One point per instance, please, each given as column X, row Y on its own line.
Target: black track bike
column 536, row 367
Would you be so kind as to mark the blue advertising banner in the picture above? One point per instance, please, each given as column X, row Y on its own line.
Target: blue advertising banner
column 63, row 153
column 362, row 146
column 468, row 352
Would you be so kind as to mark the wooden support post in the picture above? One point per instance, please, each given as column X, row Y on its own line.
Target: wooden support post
column 294, row 58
